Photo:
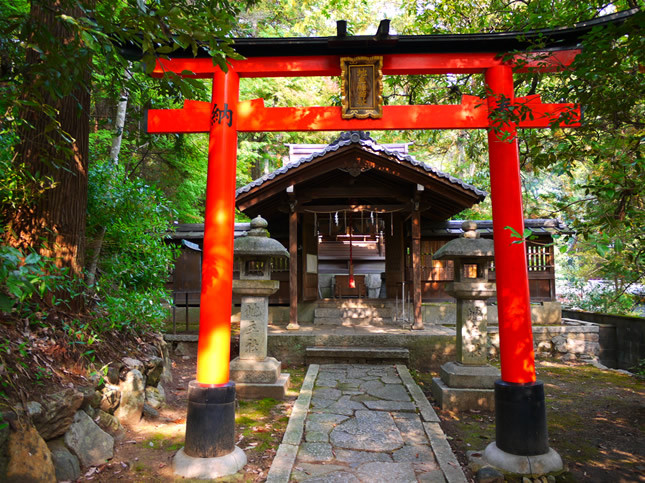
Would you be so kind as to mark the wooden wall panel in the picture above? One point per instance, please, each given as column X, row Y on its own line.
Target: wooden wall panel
column 394, row 252
column 309, row 247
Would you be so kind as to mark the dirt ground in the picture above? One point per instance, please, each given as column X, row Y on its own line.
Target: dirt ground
column 145, row 452
column 596, row 422
column 596, row 418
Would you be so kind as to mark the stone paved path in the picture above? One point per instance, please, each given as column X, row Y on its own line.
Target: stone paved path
column 363, row 423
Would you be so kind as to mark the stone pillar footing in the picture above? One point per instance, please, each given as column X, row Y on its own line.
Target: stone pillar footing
column 462, row 399
column 532, row 466
column 259, row 379
column 208, row 468
column 253, row 390
column 266, row 371
column 459, row 375
column 464, row 387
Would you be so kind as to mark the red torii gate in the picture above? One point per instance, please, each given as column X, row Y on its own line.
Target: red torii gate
column 226, row 115
column 520, row 412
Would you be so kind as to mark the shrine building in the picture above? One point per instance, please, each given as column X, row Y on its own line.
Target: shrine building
column 350, row 205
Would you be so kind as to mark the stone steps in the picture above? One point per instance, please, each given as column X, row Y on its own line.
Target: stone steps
column 354, row 313
column 357, row 355
column 354, row 321
column 354, row 303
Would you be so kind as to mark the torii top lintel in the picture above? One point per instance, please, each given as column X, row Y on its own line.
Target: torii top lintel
column 402, row 55
column 253, row 116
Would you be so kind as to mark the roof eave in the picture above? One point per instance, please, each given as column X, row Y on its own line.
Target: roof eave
column 284, row 179
column 548, row 39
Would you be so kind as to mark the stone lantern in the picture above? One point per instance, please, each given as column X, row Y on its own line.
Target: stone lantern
column 468, row 383
column 256, row 376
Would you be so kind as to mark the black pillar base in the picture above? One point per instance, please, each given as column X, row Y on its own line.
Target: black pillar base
column 210, row 422
column 520, row 418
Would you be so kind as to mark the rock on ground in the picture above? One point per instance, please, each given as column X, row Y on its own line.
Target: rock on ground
column 91, row 397
column 107, row 422
column 66, row 464
column 29, row 457
column 57, row 413
column 110, row 398
column 113, row 372
column 132, row 363
column 154, row 369
column 88, row 442
column 132, row 398
column 154, row 397
column 162, row 347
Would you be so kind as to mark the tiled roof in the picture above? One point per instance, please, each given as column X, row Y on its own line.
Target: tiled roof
column 195, row 231
column 452, row 228
column 364, row 140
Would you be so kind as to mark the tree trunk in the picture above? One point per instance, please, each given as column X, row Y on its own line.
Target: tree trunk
column 93, row 265
column 55, row 224
column 119, row 123
column 115, row 150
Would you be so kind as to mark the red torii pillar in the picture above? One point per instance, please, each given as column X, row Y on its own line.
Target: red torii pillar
column 511, row 270
column 520, row 411
column 225, row 116
column 213, row 349
column 210, row 422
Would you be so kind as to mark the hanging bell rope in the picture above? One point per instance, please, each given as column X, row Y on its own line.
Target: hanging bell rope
column 352, row 282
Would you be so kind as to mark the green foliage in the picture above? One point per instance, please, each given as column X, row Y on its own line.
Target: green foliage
column 603, row 298
column 527, row 234
column 29, row 280
column 602, row 164
column 137, row 218
column 135, row 260
column 638, row 369
column 177, row 165
column 104, row 32
column 123, row 309
column 38, row 70
column 307, row 18
column 104, row 41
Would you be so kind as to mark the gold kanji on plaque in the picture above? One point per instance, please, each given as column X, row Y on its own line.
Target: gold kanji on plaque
column 362, row 87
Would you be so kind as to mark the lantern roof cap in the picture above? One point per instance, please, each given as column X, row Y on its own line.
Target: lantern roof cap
column 257, row 243
column 469, row 245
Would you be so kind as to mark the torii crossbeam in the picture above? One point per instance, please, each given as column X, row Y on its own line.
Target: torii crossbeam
column 225, row 116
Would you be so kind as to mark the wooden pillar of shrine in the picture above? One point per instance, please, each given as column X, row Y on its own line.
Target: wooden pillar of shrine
column 416, row 266
column 293, row 263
